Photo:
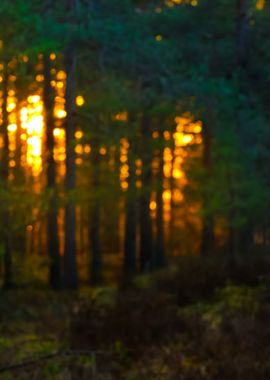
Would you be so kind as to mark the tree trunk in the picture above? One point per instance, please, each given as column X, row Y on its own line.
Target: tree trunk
column 19, row 171
column 52, row 228
column 245, row 139
column 8, row 267
column 243, row 19
column 96, row 265
column 160, row 249
column 131, row 216
column 70, row 266
column 146, row 236
column 207, row 242
column 246, row 239
column 172, row 186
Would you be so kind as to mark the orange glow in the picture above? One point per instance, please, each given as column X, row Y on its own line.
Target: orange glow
column 169, row 3
column 61, row 75
column 124, row 185
column 40, row 78
column 78, row 135
column 123, row 116
column 33, row 98
column 260, row 4
column 167, row 207
column 32, row 134
column 198, row 139
column 124, row 142
column 153, row 205
column 11, row 106
column 60, row 114
column 78, row 161
column 57, row 132
column 167, row 170
column 138, row 184
column 60, row 84
column 12, row 78
column 31, row 117
column 80, row 100
column 102, row 151
column 24, row 114
column 187, row 139
column 182, row 139
column 178, row 196
column 123, row 158
column 178, row 173
column 12, row 128
column 79, row 149
column 87, row 149
column 166, row 135
column 167, row 195
column 168, row 155
column 194, row 128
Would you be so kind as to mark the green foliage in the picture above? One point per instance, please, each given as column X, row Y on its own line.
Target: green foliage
column 157, row 60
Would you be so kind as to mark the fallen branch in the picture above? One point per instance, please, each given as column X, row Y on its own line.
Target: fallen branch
column 35, row 361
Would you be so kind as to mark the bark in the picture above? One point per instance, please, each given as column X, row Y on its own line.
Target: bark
column 160, row 249
column 146, row 236
column 96, row 264
column 233, row 233
column 246, row 139
column 8, row 266
column 19, row 171
column 131, row 216
column 246, row 238
column 70, row 266
column 172, row 205
column 52, row 227
column 242, row 32
column 208, row 238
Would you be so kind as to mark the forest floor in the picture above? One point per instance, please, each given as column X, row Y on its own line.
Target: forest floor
column 189, row 322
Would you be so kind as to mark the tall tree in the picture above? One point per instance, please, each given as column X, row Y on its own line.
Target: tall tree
column 52, row 229
column 245, row 233
column 243, row 30
column 4, row 178
column 95, row 218
column 159, row 255
column 131, row 212
column 207, row 242
column 146, row 233
column 70, row 267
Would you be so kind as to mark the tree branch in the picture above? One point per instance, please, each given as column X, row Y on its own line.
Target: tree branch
column 31, row 362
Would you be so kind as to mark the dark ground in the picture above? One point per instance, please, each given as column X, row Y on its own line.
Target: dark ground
column 193, row 321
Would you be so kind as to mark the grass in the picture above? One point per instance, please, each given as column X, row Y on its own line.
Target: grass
column 193, row 321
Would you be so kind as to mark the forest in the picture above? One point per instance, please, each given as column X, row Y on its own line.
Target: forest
column 135, row 189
